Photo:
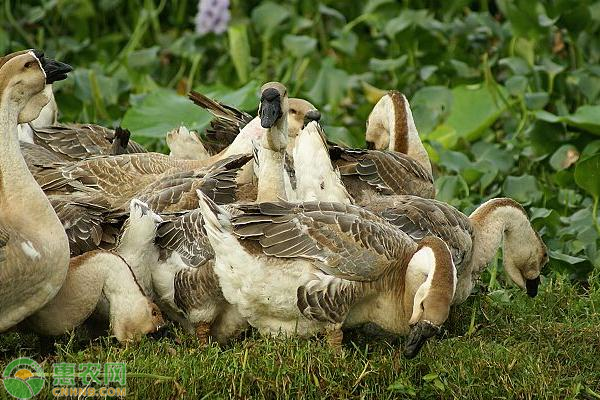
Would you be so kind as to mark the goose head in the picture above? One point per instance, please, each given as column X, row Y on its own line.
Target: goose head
column 391, row 126
column 523, row 251
column 300, row 113
column 141, row 226
column 523, row 263
column 274, row 105
column 135, row 318
column 23, row 78
column 435, row 274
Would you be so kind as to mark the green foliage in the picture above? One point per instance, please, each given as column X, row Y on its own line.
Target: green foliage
column 504, row 93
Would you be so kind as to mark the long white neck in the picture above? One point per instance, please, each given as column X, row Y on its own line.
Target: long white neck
column 137, row 248
column 120, row 287
column 271, row 182
column 316, row 179
column 492, row 221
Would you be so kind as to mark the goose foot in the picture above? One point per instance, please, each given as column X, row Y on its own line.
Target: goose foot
column 203, row 333
column 334, row 337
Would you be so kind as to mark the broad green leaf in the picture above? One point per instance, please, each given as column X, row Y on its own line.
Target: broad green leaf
column 389, row 64
column 450, row 188
column 585, row 117
column 342, row 136
column 537, row 100
column 591, row 148
column 492, row 153
column 454, row 161
column 330, row 85
column 372, row 5
column 268, row 16
column 299, row 46
column 239, row 50
column 345, row 42
column 143, row 57
column 162, row 111
column 430, row 107
column 474, row 109
column 565, row 156
column 517, row 65
column 565, row 257
column 516, row 85
column 587, row 175
column 523, row 189
column 244, row 98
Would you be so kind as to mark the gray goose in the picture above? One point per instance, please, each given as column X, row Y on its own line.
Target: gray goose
column 34, row 251
column 306, row 268
column 473, row 240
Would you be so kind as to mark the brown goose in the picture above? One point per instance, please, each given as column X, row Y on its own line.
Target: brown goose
column 316, row 267
column 474, row 240
column 370, row 177
column 391, row 126
column 90, row 276
column 34, row 251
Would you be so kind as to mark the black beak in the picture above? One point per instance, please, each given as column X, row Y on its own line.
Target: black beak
column 532, row 286
column 417, row 337
column 312, row 115
column 370, row 145
column 270, row 108
column 55, row 70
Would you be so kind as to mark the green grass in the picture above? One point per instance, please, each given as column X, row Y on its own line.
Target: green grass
column 497, row 345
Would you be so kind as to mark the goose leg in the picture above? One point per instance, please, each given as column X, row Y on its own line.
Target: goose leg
column 203, row 333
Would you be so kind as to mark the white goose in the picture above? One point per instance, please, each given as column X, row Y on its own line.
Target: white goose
column 301, row 269
column 34, row 251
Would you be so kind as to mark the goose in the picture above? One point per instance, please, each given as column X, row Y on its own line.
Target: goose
column 34, row 250
column 229, row 121
column 390, row 126
column 367, row 177
column 473, row 240
column 308, row 268
column 180, row 272
column 186, row 145
column 92, row 275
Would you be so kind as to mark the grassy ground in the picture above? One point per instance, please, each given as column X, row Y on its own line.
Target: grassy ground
column 496, row 345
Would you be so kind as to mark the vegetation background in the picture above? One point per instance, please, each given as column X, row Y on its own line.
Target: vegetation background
column 505, row 96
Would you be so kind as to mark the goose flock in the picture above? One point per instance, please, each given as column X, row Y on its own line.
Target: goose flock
column 261, row 222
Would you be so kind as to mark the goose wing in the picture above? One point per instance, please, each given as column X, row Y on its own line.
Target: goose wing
column 185, row 235
column 420, row 217
column 386, row 171
column 87, row 220
column 228, row 122
column 78, row 141
column 344, row 241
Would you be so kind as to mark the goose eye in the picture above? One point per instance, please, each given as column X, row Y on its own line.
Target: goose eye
column 293, row 112
column 28, row 64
